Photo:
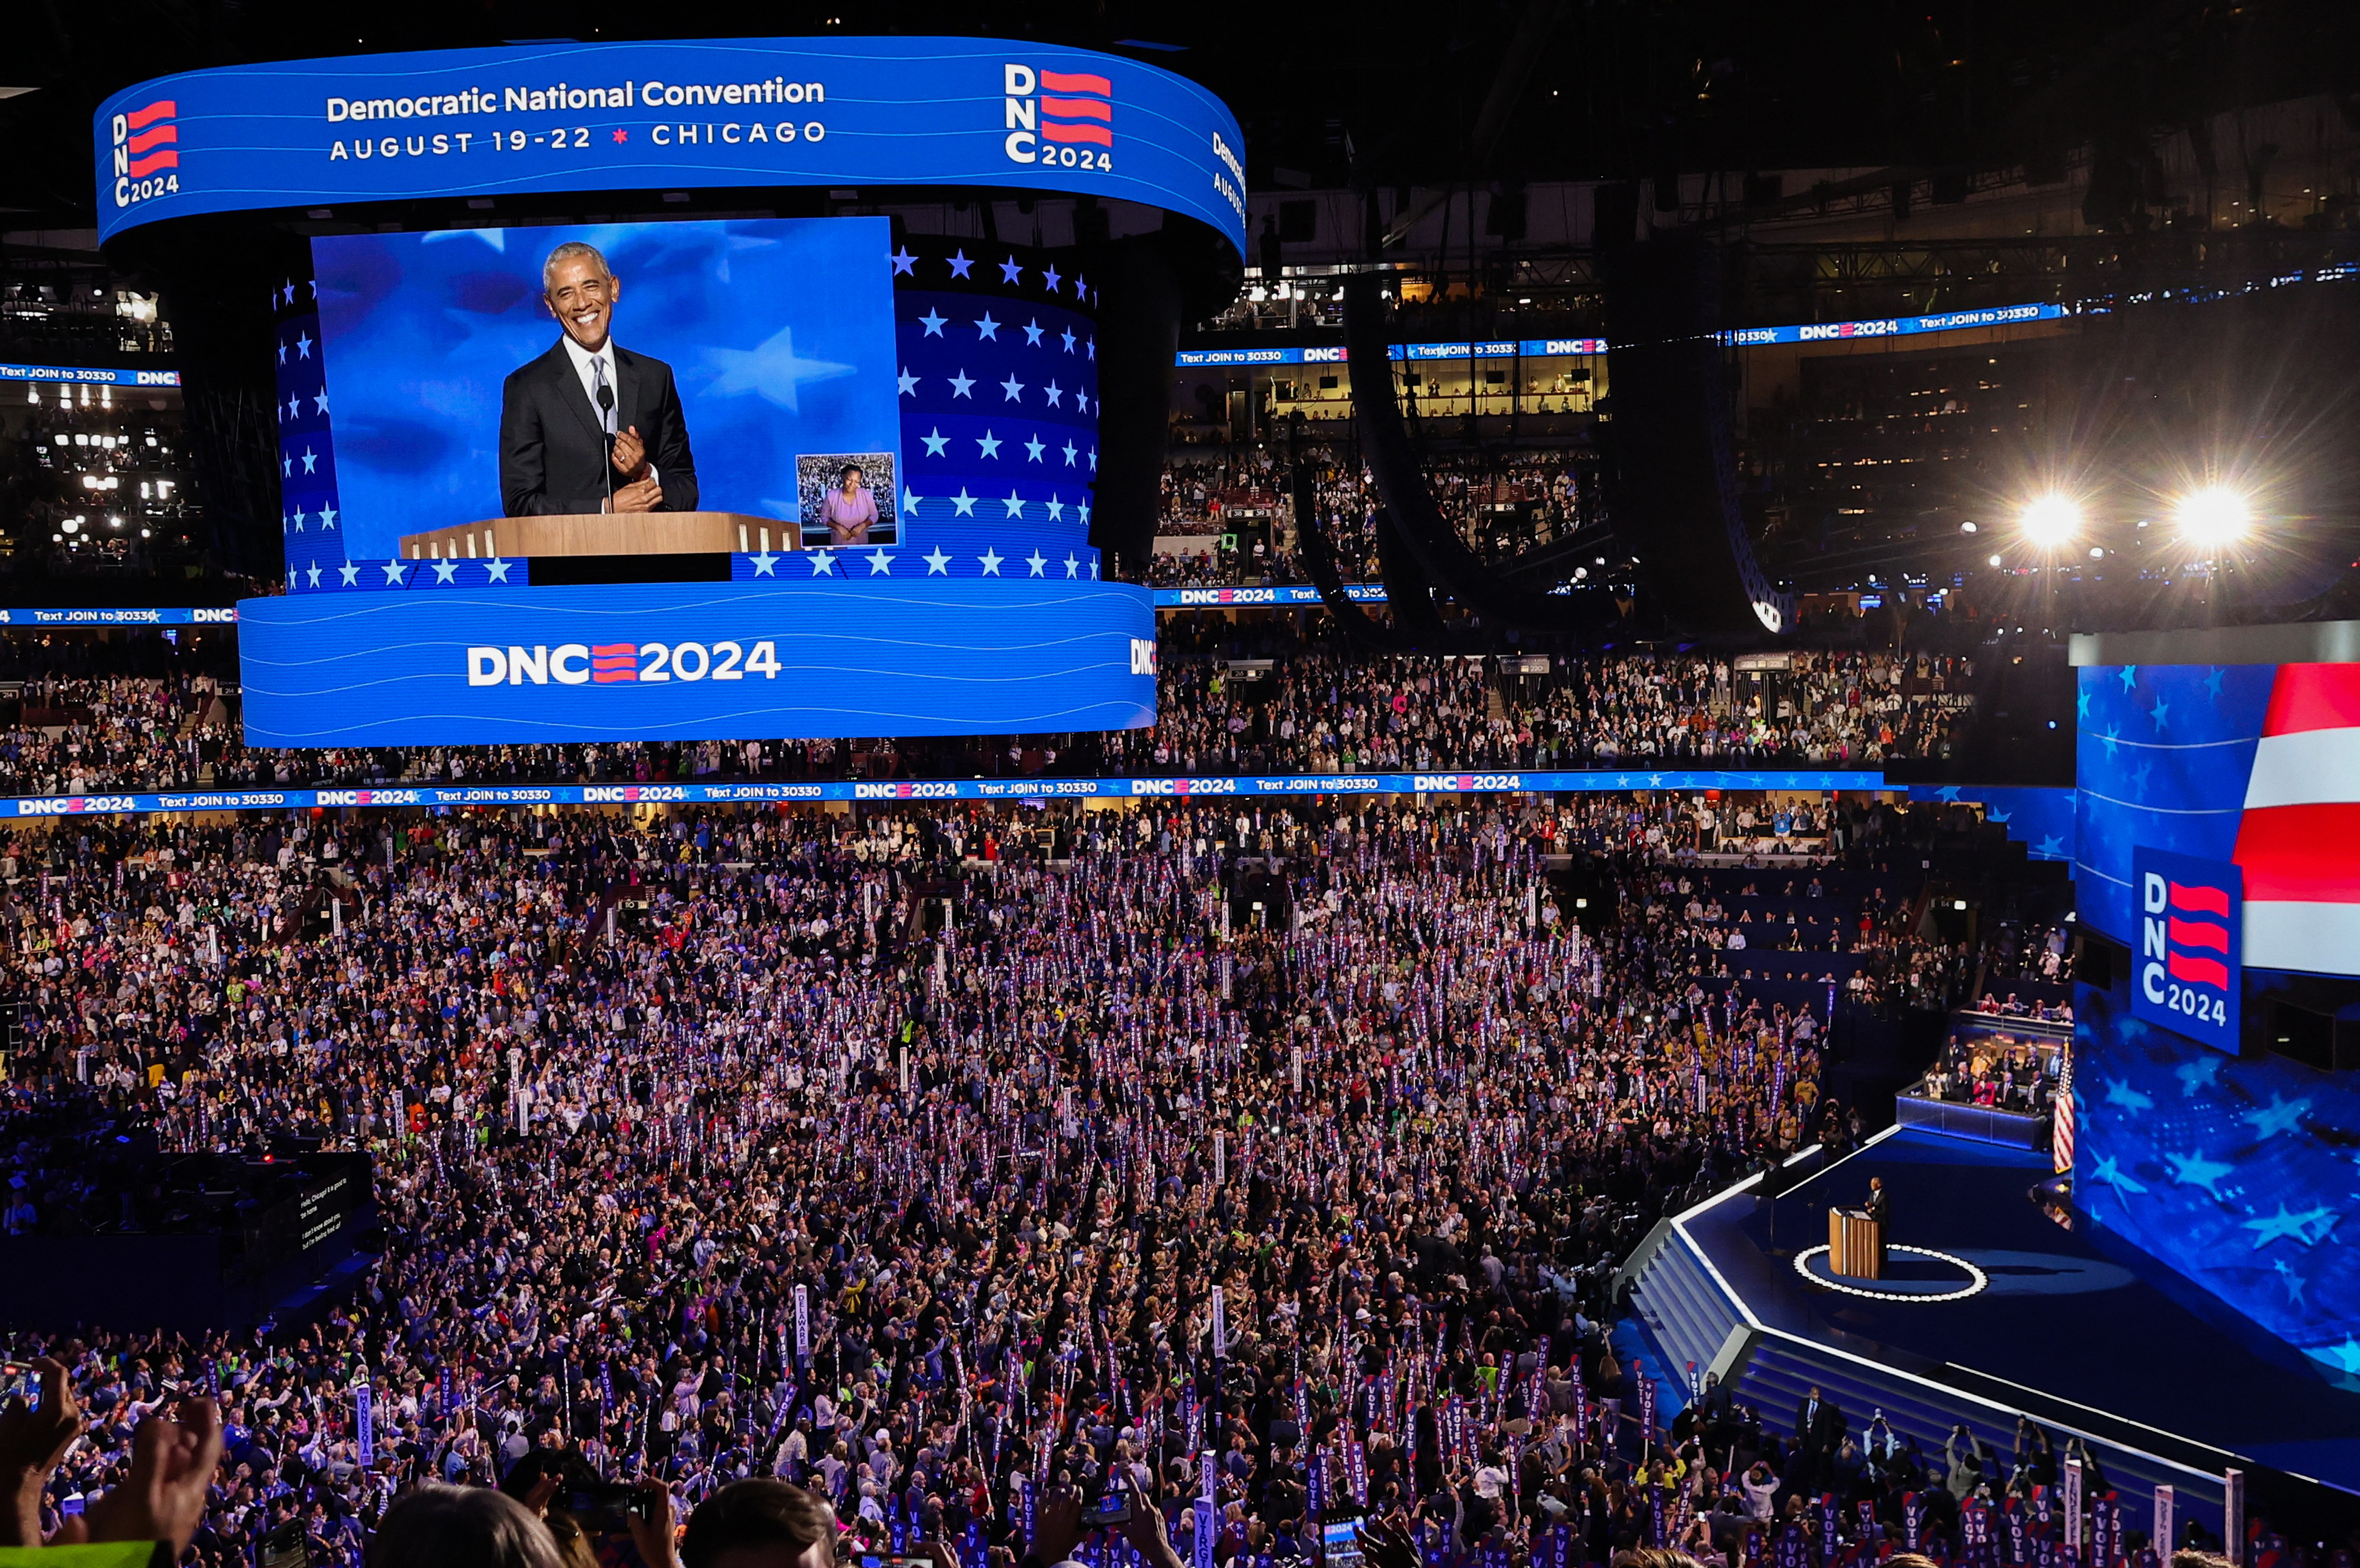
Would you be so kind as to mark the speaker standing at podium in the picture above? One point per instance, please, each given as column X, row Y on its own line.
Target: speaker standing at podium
column 1878, row 1204
column 590, row 426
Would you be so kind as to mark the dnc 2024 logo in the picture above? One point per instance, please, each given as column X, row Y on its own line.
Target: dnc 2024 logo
column 146, row 152
column 2188, row 973
column 1060, row 119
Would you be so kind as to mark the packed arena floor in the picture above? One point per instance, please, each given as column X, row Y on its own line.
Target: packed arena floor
column 140, row 720
column 1023, row 1106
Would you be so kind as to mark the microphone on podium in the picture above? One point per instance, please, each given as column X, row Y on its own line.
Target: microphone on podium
column 607, row 418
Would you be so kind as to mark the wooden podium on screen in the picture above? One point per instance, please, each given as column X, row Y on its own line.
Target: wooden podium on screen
column 606, row 533
column 1856, row 1245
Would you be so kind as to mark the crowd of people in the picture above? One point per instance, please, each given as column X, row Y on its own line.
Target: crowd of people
column 1320, row 709
column 173, row 722
column 943, row 1162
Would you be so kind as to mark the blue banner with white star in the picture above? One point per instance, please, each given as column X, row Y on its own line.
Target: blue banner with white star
column 2236, row 1172
column 2162, row 755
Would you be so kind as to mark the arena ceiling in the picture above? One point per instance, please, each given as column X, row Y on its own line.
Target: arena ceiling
column 1377, row 90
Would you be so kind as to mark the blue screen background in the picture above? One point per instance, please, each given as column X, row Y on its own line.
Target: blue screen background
column 778, row 331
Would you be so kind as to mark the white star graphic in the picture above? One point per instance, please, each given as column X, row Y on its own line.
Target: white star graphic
column 985, row 327
column 988, row 445
column 933, row 323
column 496, row 570
column 961, row 382
column 1073, row 567
column 311, row 461
column 960, row 263
column 1015, row 504
column 1057, row 509
column 991, row 561
column 1092, row 347
column 963, row 502
column 286, row 468
column 1034, row 448
column 1032, row 331
column 1013, row 387
column 303, row 345
column 1082, row 509
column 773, row 370
column 446, row 571
column 937, row 564
column 1050, row 278
column 1094, row 460
column 1055, row 394
column 1009, row 271
column 282, row 354
column 879, row 563
column 1094, row 560
column 1081, row 400
column 936, row 441
column 299, row 520
column 393, row 573
column 1037, row 561
column 320, row 401
column 290, row 579
column 312, row 576
column 351, row 572
column 1068, row 336
column 765, row 564
column 906, row 382
column 905, row 264
column 910, row 499
column 328, row 520
column 823, row 564
column 1068, row 449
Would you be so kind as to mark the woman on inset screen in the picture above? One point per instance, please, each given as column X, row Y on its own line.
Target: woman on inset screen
column 850, row 511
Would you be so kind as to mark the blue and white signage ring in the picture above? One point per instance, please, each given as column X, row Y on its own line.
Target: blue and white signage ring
column 715, row 113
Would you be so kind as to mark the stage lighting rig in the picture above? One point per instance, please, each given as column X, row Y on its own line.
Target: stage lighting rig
column 2213, row 518
column 2050, row 521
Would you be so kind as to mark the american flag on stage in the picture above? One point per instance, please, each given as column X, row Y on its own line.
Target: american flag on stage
column 2300, row 839
column 2060, row 1144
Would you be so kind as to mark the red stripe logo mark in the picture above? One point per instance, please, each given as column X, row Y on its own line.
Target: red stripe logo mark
column 1080, row 108
column 2198, row 933
column 1076, row 81
column 140, row 167
column 162, row 109
column 1058, row 131
column 154, row 138
column 611, row 662
column 2198, row 971
column 2200, row 900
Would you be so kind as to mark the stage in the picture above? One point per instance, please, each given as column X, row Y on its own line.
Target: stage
column 2000, row 1308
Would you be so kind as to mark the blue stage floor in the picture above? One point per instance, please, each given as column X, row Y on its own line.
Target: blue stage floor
column 2069, row 1315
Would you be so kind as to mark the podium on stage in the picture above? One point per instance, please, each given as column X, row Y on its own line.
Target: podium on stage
column 1855, row 1244
column 606, row 533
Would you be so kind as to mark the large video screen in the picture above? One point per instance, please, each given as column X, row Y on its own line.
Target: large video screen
column 748, row 363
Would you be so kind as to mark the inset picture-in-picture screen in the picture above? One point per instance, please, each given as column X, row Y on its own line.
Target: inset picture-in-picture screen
column 741, row 367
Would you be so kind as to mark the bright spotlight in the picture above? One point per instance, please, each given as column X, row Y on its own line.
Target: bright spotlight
column 1995, row 560
column 2050, row 520
column 2214, row 516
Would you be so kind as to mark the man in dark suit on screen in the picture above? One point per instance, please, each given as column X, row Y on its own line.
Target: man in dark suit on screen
column 590, row 426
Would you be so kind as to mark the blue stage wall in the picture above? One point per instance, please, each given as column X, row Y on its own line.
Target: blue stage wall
column 2240, row 1173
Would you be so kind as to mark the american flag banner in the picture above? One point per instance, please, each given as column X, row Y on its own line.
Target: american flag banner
column 2300, row 839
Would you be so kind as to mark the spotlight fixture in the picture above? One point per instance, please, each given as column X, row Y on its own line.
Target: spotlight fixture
column 2050, row 520
column 1995, row 560
column 2214, row 516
